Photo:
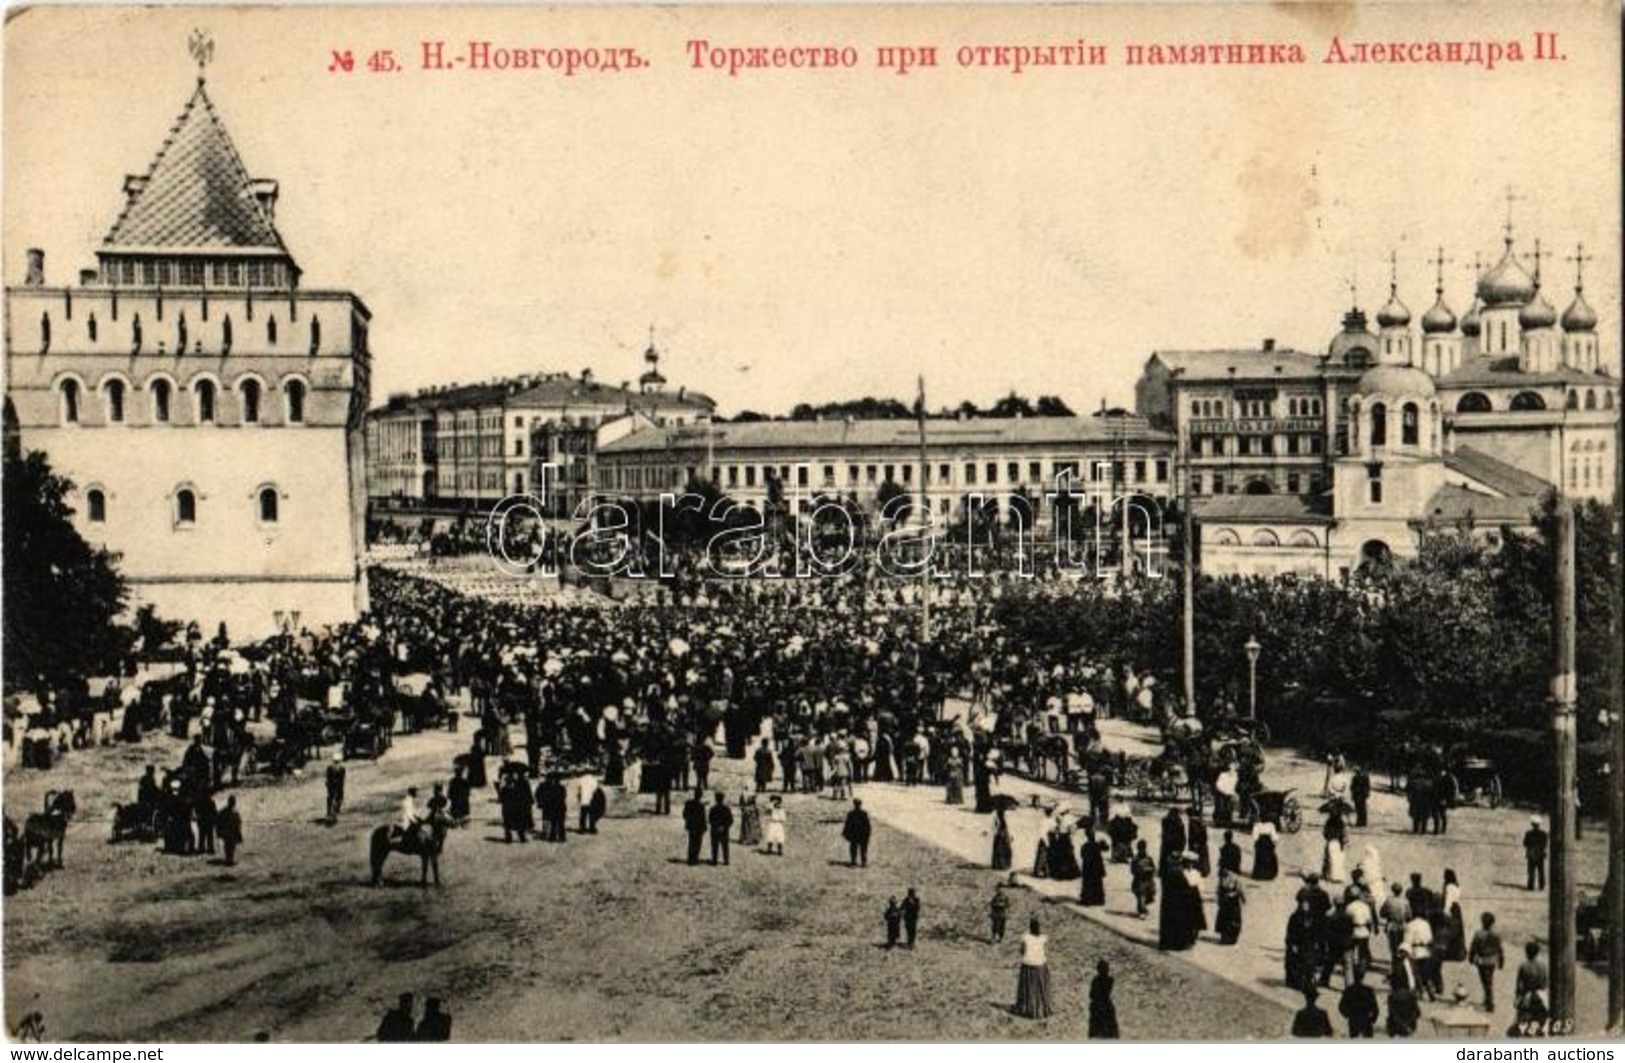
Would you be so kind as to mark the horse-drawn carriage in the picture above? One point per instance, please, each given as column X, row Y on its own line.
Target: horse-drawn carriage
column 366, row 737
column 1277, row 807
column 1476, row 781
column 420, row 705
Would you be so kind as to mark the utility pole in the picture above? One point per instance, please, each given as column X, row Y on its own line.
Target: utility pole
column 1188, row 578
column 925, row 520
column 1561, row 920
column 1615, row 902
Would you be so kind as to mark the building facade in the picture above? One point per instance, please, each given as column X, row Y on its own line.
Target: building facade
column 1115, row 454
column 1319, row 464
column 472, row 445
column 206, row 406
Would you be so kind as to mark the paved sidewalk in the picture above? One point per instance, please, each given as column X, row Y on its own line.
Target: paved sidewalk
column 1483, row 846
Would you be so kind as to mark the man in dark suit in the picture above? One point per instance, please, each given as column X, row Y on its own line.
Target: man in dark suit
column 856, row 832
column 398, row 1023
column 435, row 1024
column 1360, row 793
column 911, row 916
column 551, row 798
column 722, row 821
column 1534, row 854
column 694, row 823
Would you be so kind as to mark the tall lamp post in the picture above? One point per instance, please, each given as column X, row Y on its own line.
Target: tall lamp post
column 1253, row 650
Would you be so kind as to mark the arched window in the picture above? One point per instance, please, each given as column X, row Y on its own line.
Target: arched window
column 1196, row 408
column 1379, row 425
column 225, row 334
column 1304, row 537
column 114, row 391
column 185, row 506
column 270, row 330
column 1607, row 400
column 1573, row 401
column 294, row 390
column 315, row 334
column 250, row 389
column 204, row 389
column 1265, row 537
column 268, row 505
column 1226, row 537
column 1473, row 402
column 90, row 324
column 135, row 334
column 160, row 401
column 1408, row 425
column 1528, row 400
column 96, row 505
column 1591, row 399
column 70, row 401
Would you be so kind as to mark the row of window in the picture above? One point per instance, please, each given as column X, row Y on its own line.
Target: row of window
column 1265, row 537
column 183, row 334
column 1408, row 422
column 267, row 501
column 1216, row 484
column 1257, row 446
column 161, row 395
column 1255, row 408
column 194, row 273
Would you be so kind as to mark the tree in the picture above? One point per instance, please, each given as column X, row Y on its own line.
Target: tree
column 1053, row 406
column 62, row 597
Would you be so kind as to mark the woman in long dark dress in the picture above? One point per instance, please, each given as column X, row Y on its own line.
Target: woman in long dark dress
column 1063, row 859
column 1266, row 866
column 1102, row 1011
column 883, row 759
column 1172, row 913
column 1303, row 939
column 1195, row 914
column 1231, row 900
column 1002, row 856
column 1092, row 866
column 1032, row 984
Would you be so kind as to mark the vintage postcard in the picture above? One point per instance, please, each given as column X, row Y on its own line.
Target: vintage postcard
column 807, row 523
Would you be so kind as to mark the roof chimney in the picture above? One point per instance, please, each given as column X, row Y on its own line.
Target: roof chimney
column 1269, row 343
column 35, row 277
column 586, row 376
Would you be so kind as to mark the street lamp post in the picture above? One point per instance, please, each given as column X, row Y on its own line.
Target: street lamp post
column 1253, row 650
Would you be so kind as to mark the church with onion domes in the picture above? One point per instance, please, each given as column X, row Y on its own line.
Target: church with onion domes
column 1296, row 462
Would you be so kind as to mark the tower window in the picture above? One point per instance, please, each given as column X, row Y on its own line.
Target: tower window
column 44, row 333
column 268, row 505
column 315, row 334
column 251, row 401
column 1408, row 425
column 115, row 401
column 90, row 324
column 96, row 505
column 225, row 335
column 270, row 330
column 160, row 401
column 205, row 401
column 1379, row 425
column 135, row 334
column 294, row 390
column 70, row 402
column 185, row 506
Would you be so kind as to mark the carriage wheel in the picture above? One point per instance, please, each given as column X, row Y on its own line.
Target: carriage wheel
column 1291, row 816
column 1493, row 790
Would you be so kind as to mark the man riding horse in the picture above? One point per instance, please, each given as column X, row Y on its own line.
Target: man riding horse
column 424, row 839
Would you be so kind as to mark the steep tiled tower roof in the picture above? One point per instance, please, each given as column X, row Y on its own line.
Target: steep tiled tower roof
column 196, row 195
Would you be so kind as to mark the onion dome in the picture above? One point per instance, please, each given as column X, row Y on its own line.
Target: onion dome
column 1394, row 314
column 1508, row 284
column 1470, row 324
column 1537, row 314
column 1395, row 381
column 1579, row 317
column 1355, row 340
column 1439, row 317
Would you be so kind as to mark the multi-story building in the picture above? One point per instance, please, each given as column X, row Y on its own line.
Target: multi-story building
column 471, row 445
column 206, row 407
column 1113, row 454
column 1514, row 381
column 1352, row 456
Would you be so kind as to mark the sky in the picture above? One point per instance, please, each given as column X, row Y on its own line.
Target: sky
column 817, row 235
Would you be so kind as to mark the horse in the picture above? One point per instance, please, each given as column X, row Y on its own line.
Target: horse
column 414, row 842
column 45, row 834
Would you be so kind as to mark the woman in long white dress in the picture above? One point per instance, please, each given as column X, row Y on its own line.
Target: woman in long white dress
column 773, row 835
column 1334, row 867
